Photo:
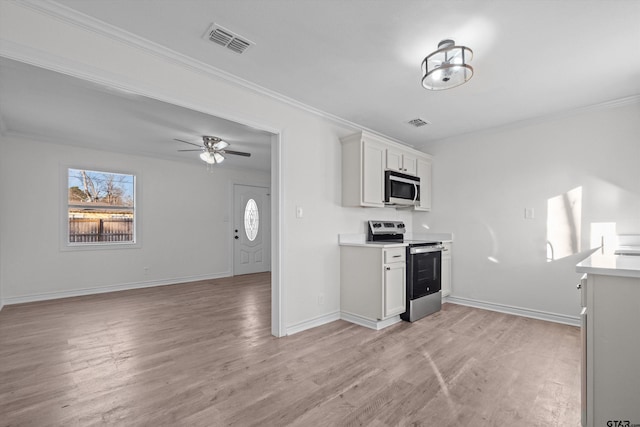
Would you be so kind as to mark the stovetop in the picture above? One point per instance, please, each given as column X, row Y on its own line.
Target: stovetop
column 393, row 232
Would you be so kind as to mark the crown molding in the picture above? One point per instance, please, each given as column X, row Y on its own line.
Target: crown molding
column 89, row 23
column 612, row 104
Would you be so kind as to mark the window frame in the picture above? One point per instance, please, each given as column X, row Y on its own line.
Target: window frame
column 63, row 194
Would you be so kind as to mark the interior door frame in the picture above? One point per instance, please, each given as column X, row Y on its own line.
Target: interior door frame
column 85, row 72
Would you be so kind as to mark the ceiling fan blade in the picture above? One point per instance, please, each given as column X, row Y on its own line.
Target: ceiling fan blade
column 237, row 153
column 192, row 150
column 187, row 142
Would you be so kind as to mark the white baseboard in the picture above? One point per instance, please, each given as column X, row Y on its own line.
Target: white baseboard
column 368, row 323
column 312, row 323
column 518, row 311
column 109, row 288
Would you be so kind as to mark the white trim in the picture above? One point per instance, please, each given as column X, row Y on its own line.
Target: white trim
column 368, row 323
column 518, row 311
column 312, row 323
column 277, row 236
column 560, row 115
column 111, row 288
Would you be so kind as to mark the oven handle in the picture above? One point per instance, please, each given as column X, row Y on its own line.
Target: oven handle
column 425, row 249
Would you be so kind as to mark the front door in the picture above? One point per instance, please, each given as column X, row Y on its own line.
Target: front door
column 251, row 229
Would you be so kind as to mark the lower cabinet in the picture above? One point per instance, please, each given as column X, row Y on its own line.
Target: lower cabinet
column 611, row 378
column 445, row 274
column 372, row 284
column 394, row 289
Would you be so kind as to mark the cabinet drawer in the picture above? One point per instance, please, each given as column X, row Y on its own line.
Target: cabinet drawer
column 394, row 255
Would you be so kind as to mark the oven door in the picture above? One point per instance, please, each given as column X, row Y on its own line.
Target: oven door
column 424, row 266
column 401, row 189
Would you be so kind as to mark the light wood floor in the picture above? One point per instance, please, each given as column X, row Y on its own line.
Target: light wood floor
column 201, row 354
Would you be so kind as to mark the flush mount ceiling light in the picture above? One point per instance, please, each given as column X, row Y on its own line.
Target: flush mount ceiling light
column 447, row 67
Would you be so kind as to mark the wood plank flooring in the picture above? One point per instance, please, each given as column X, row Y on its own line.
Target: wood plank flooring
column 201, row 354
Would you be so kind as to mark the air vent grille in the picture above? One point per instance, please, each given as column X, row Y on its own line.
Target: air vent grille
column 238, row 45
column 228, row 39
column 418, row 122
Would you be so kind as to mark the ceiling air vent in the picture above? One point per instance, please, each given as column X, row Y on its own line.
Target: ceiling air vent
column 418, row 122
column 228, row 39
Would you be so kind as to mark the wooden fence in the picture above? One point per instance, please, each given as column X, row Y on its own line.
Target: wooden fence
column 83, row 230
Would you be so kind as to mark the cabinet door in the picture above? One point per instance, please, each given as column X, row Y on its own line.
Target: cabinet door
column 410, row 164
column 445, row 274
column 394, row 289
column 394, row 160
column 424, row 172
column 373, row 161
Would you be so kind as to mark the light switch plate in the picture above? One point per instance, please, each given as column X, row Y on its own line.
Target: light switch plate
column 529, row 213
column 299, row 212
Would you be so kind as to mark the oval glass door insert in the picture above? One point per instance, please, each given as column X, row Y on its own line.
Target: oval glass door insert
column 251, row 220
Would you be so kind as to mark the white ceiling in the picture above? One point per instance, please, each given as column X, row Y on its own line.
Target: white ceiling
column 82, row 113
column 360, row 59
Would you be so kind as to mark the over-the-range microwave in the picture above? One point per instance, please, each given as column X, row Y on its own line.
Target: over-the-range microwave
column 401, row 189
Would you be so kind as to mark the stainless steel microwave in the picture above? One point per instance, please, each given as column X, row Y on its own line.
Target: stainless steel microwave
column 401, row 189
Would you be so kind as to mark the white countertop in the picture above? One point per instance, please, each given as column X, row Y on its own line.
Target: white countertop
column 361, row 240
column 611, row 265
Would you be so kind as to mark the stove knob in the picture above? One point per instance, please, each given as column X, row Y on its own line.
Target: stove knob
column 377, row 225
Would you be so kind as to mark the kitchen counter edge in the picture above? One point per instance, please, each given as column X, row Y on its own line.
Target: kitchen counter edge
column 610, row 265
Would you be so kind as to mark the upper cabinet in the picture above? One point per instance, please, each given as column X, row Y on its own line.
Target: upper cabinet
column 402, row 161
column 363, row 162
column 365, row 157
column 424, row 172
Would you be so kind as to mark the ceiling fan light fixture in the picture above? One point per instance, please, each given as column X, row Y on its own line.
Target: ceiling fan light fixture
column 447, row 67
column 213, row 149
column 221, row 145
column 212, row 157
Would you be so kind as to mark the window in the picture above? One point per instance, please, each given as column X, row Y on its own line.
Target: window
column 251, row 220
column 100, row 208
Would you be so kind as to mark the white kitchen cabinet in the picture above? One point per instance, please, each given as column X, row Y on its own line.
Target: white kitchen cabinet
column 394, row 289
column 611, row 345
column 401, row 161
column 365, row 157
column 424, row 172
column 363, row 162
column 372, row 284
column 445, row 274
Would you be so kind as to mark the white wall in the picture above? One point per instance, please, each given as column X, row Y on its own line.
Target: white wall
column 183, row 222
column 310, row 158
column 484, row 182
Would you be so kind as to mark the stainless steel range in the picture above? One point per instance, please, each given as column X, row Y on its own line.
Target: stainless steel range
column 424, row 265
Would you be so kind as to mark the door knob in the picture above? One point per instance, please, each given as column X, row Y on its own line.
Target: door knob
column 236, row 237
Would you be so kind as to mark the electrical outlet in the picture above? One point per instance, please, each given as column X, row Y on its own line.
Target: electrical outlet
column 321, row 299
column 299, row 212
column 529, row 213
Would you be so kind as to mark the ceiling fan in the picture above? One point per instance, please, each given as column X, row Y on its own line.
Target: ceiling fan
column 213, row 149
